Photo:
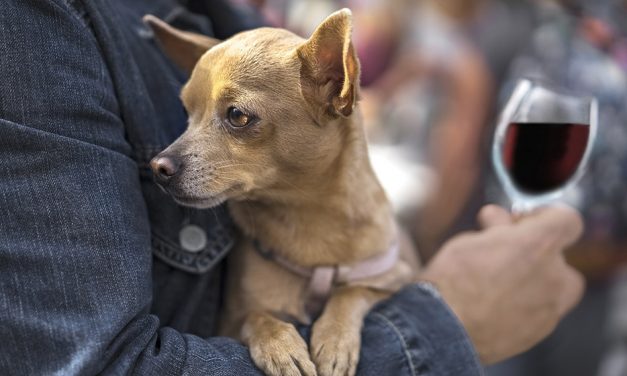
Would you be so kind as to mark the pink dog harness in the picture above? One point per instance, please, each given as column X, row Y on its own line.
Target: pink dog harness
column 322, row 278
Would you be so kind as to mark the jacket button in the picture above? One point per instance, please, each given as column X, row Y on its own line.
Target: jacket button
column 192, row 238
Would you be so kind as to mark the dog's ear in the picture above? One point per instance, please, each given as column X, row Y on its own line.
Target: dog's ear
column 330, row 69
column 183, row 47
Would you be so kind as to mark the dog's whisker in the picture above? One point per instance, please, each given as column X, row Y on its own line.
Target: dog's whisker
column 220, row 167
column 224, row 178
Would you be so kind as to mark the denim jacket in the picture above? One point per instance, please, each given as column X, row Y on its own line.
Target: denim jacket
column 101, row 272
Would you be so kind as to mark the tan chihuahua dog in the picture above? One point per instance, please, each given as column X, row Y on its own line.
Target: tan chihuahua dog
column 273, row 129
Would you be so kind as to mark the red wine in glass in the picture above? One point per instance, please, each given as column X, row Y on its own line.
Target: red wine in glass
column 542, row 157
column 542, row 143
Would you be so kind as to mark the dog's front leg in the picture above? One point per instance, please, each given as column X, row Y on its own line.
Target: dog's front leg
column 276, row 347
column 336, row 335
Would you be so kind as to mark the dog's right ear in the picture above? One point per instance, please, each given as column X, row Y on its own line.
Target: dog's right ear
column 183, row 47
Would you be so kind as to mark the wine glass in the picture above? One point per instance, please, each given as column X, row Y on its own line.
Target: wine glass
column 542, row 143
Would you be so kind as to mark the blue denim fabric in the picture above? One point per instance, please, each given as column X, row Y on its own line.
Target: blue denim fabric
column 93, row 277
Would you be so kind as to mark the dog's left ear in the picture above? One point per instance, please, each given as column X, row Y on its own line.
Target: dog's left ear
column 183, row 47
column 330, row 69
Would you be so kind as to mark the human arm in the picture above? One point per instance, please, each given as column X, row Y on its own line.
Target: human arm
column 455, row 145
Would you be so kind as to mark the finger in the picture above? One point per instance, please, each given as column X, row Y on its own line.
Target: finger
column 493, row 215
column 552, row 228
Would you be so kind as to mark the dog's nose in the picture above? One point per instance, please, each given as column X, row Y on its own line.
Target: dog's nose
column 164, row 167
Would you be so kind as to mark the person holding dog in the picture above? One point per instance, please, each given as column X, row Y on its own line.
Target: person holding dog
column 102, row 273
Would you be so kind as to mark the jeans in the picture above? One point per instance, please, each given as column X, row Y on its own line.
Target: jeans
column 96, row 272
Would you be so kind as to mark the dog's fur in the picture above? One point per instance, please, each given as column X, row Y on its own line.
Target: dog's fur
column 298, row 181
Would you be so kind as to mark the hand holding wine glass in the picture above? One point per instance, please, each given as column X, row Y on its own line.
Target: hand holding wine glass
column 509, row 284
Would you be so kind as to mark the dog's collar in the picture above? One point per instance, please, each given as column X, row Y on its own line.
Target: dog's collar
column 322, row 278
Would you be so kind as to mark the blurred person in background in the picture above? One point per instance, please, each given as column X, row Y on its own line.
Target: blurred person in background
column 432, row 104
column 376, row 31
column 581, row 46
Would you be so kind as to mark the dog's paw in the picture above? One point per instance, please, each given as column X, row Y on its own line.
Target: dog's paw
column 282, row 353
column 335, row 347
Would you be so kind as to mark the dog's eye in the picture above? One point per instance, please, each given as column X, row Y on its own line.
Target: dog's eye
column 237, row 118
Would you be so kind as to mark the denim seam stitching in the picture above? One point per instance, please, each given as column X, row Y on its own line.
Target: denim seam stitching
column 71, row 10
column 403, row 340
column 159, row 243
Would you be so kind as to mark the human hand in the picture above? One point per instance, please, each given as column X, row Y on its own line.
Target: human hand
column 509, row 284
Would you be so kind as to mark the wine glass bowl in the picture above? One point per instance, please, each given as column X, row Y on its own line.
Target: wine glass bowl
column 542, row 143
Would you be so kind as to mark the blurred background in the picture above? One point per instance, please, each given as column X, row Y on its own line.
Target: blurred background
column 435, row 74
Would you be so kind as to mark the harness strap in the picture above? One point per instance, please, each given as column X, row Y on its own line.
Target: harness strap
column 322, row 278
